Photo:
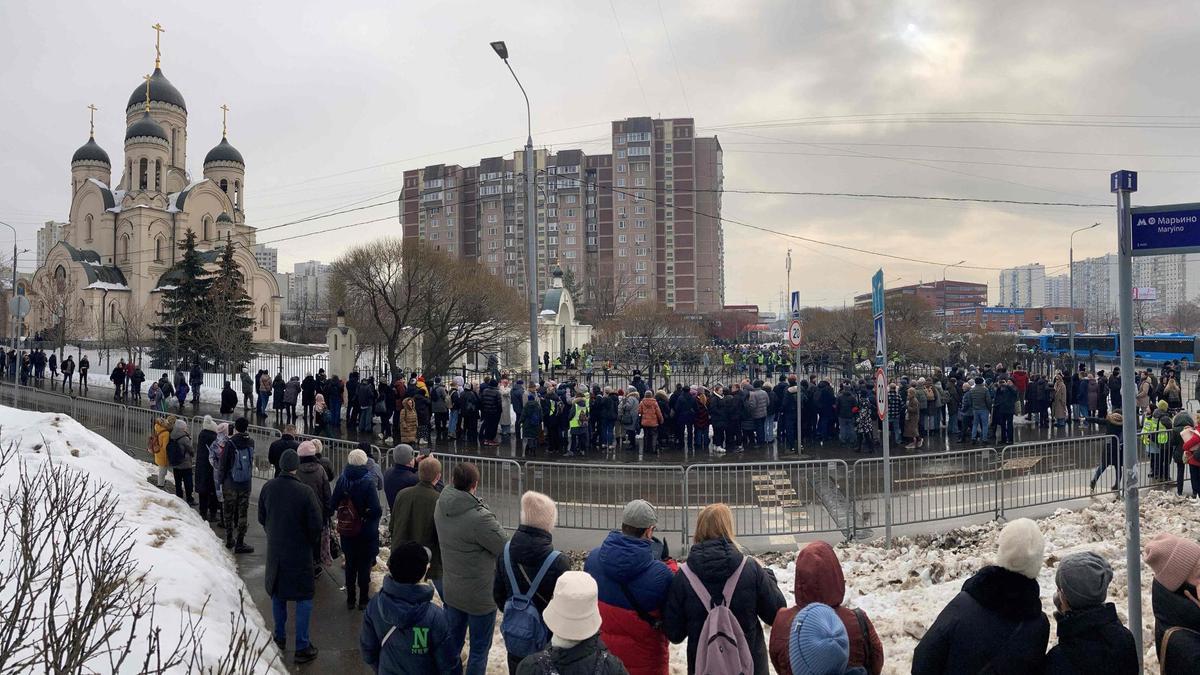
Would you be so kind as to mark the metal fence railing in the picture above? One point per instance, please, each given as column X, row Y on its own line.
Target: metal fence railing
column 263, row 437
column 768, row 499
column 591, row 497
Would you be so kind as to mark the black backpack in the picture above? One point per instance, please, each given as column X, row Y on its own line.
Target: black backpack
column 174, row 452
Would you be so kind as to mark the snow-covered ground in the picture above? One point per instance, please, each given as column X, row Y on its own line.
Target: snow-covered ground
column 175, row 548
column 904, row 589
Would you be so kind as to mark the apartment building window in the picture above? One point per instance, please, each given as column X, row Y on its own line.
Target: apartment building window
column 571, row 199
column 640, row 279
column 450, row 209
column 491, row 218
column 433, row 183
column 622, row 253
column 621, row 224
column 450, row 234
column 552, row 227
column 486, row 190
column 621, row 211
column 512, row 256
column 591, row 227
column 553, row 212
column 640, row 223
column 590, row 213
column 591, row 241
column 621, row 239
column 639, row 210
column 641, row 239
column 622, row 267
column 492, row 271
column 491, row 257
column 431, row 197
column 491, row 231
column 641, row 166
column 620, row 196
column 433, row 237
column 450, row 248
column 492, row 245
column 642, row 252
column 641, row 266
column 552, row 240
column 449, row 194
column 621, row 168
column 449, row 222
column 639, row 182
column 510, row 282
column 620, row 182
column 621, row 154
column 433, row 223
column 667, row 146
column 570, row 241
column 510, row 229
column 570, row 255
column 619, row 139
column 570, row 213
column 510, row 242
column 637, row 136
column 639, row 151
column 642, row 295
column 591, row 200
column 568, row 227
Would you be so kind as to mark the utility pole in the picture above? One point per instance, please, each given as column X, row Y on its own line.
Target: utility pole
column 1071, row 283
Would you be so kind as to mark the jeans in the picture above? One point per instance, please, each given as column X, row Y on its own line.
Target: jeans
column 262, row 403
column 606, row 432
column 480, row 626
column 701, row 438
column 979, row 427
column 1100, row 472
column 1081, row 410
column 761, row 427
column 846, row 435
column 454, row 415
column 279, row 609
column 897, row 431
column 1005, row 422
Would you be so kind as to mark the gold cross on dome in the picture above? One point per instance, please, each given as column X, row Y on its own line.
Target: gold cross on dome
column 92, row 108
column 224, row 113
column 147, row 79
column 158, row 31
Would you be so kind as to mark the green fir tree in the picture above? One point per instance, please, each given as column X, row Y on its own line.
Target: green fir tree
column 230, row 330
column 186, row 290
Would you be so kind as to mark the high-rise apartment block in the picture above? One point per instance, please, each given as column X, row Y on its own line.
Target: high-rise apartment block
column 267, row 257
column 50, row 234
column 1023, row 286
column 642, row 222
column 1058, row 291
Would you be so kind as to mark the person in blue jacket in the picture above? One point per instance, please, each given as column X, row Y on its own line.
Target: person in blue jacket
column 403, row 632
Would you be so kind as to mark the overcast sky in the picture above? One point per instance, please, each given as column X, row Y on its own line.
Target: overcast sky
column 332, row 101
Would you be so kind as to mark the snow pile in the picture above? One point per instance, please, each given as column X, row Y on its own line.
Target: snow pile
column 171, row 543
column 905, row 588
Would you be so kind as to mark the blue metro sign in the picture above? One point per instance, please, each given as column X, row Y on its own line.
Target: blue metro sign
column 1174, row 228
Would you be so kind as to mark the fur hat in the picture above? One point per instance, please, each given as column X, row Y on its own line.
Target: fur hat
column 538, row 510
column 1174, row 560
column 1115, row 418
column 1022, row 549
column 306, row 449
column 357, row 458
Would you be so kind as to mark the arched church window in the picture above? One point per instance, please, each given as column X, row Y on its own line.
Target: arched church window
column 82, row 309
column 60, row 278
column 264, row 316
column 125, row 247
column 158, row 175
column 237, row 194
column 143, row 174
column 173, row 147
column 224, row 185
column 158, row 242
column 88, row 228
column 206, row 228
column 129, row 175
column 112, row 313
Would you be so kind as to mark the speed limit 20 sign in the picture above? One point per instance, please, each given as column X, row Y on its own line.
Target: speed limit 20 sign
column 794, row 334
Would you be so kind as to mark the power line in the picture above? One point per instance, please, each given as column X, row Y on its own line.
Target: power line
column 957, row 161
column 674, row 61
column 989, row 148
column 629, row 53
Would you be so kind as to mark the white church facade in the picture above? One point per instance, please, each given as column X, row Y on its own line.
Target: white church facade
column 124, row 227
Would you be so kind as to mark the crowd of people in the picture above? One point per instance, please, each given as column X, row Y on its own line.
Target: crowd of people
column 632, row 598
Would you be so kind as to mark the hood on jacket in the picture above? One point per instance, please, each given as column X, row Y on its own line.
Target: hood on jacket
column 1011, row 595
column 714, row 560
column 410, row 404
column 819, row 576
column 180, row 429
column 354, row 472
column 456, row 502
column 403, row 604
column 623, row 557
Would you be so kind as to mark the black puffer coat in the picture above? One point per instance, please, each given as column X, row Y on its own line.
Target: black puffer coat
column 996, row 620
column 204, row 469
column 1175, row 610
column 756, row 599
column 1092, row 641
column 489, row 400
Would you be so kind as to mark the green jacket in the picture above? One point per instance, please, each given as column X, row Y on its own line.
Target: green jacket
column 412, row 520
column 471, row 539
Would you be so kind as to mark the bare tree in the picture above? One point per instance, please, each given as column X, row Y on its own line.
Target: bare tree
column 61, row 316
column 382, row 286
column 651, row 333
column 843, row 332
column 1185, row 318
column 466, row 310
column 133, row 329
column 76, row 599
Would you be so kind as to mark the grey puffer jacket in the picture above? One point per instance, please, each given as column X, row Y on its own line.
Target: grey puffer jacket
column 470, row 538
column 180, row 435
column 760, row 403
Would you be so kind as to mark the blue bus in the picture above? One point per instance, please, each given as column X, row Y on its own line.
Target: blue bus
column 1155, row 348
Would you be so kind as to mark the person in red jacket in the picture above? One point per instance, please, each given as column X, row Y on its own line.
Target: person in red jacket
column 1020, row 380
column 819, row 578
column 633, row 571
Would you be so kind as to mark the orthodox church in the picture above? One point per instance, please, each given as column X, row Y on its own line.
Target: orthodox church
column 117, row 252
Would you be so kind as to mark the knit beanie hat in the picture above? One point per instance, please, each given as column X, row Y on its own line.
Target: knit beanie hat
column 1162, row 405
column 817, row 642
column 1021, row 548
column 357, row 458
column 306, row 449
column 538, row 510
column 1173, row 559
column 1083, row 580
column 402, row 454
column 288, row 461
column 408, row 562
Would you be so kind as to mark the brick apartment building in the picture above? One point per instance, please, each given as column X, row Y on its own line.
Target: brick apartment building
column 938, row 296
column 642, row 222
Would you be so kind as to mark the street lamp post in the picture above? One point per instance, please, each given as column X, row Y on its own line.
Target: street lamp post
column 12, row 310
column 945, row 307
column 530, row 220
column 1071, row 290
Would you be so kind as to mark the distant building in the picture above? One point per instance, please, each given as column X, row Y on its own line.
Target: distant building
column 1023, row 286
column 937, row 295
column 50, row 234
column 267, row 257
column 285, row 281
column 1009, row 319
column 1058, row 291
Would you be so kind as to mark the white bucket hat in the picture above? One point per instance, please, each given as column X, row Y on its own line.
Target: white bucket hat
column 572, row 613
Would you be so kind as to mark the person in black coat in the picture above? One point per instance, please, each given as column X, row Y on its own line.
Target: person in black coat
column 1091, row 638
column 287, row 441
column 714, row 558
column 402, row 474
column 289, row 512
column 528, row 549
column 229, row 399
column 424, row 407
column 206, row 486
column 308, row 396
column 489, row 410
column 995, row 624
column 731, row 416
column 1176, row 564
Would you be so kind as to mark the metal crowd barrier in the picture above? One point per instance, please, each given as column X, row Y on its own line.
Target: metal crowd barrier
column 593, row 497
column 1047, row 472
column 336, row 450
column 501, row 484
column 927, row 487
column 775, row 498
column 263, row 437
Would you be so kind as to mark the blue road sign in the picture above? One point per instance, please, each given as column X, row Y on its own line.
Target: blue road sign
column 1174, row 228
column 795, row 304
column 877, row 294
column 1123, row 181
column 880, row 341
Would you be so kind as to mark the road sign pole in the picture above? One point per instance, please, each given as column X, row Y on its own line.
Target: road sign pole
column 1124, row 183
column 877, row 305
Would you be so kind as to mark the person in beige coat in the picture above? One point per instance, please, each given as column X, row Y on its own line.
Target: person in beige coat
column 1058, row 404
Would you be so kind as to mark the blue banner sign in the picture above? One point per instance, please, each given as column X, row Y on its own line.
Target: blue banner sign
column 1174, row 228
column 877, row 294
